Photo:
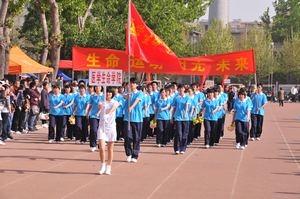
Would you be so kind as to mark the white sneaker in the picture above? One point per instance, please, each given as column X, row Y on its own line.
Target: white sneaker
column 77, row 142
column 18, row 132
column 128, row 158
column 182, row 152
column 159, row 145
column 246, row 146
column 103, row 168
column 207, row 146
column 257, row 139
column 221, row 138
column 252, row 139
column 242, row 147
column 51, row 141
column 2, row 143
column 108, row 170
column 238, row 145
column 133, row 160
column 177, row 152
column 62, row 139
column 45, row 126
column 93, row 149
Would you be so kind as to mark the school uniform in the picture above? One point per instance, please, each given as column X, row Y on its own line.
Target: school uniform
column 146, row 116
column 134, row 133
column 172, row 128
column 210, row 121
column 55, row 117
column 221, row 118
column 154, row 97
column 163, row 120
column 94, row 101
column 241, row 121
column 68, row 128
column 200, row 97
column 257, row 117
column 194, row 100
column 181, row 122
column 119, row 116
column 223, row 113
column 81, row 121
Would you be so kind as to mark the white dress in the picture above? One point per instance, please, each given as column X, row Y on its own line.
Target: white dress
column 107, row 125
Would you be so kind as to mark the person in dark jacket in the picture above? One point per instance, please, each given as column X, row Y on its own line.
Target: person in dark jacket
column 34, row 106
column 45, row 102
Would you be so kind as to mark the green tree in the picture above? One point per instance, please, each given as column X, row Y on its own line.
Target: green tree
column 217, row 40
column 260, row 40
column 286, row 21
column 289, row 59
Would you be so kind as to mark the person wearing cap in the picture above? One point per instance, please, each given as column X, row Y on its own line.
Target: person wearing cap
column 259, row 101
column 79, row 110
column 133, row 130
column 241, row 119
column 209, row 110
column 92, row 111
column 180, row 107
column 56, row 115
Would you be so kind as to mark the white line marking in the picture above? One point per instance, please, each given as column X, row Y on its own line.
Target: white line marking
column 170, row 175
column 286, row 143
column 236, row 175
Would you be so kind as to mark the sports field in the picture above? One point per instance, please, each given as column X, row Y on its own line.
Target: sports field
column 270, row 168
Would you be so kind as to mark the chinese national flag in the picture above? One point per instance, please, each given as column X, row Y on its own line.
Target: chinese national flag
column 146, row 45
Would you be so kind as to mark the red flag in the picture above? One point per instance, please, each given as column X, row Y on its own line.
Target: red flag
column 144, row 44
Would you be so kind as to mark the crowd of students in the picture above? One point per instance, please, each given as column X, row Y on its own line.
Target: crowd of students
column 174, row 114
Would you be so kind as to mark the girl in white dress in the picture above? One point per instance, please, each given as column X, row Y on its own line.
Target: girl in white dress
column 107, row 130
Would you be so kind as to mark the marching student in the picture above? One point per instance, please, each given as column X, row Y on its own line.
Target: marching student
column 223, row 111
column 80, row 103
column 162, row 109
column 133, row 134
column 68, row 110
column 241, row 118
column 218, row 98
column 259, row 101
column 180, row 114
column 56, row 115
column 210, row 107
column 92, row 112
column 151, row 108
column 191, row 114
column 199, row 97
column 146, row 115
column 119, row 113
column 107, row 131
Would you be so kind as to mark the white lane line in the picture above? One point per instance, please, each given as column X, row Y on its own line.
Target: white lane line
column 237, row 173
column 170, row 175
column 286, row 143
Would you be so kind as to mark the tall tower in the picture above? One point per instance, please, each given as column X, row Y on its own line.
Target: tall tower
column 219, row 10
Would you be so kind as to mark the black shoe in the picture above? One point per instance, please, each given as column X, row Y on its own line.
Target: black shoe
column 10, row 137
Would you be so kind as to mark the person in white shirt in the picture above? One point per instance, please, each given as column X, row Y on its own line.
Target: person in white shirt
column 294, row 92
column 107, row 130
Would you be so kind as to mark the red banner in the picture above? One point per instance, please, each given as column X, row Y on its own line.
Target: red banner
column 147, row 46
column 225, row 64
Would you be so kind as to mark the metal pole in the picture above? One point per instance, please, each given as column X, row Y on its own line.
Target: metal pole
column 129, row 52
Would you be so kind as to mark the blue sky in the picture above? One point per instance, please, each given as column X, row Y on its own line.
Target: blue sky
column 248, row 10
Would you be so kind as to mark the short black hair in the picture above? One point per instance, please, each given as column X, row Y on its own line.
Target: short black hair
column 81, row 86
column 133, row 80
column 110, row 90
column 180, row 86
column 45, row 84
column 209, row 90
column 55, row 86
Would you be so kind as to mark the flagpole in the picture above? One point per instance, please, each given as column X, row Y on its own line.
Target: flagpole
column 129, row 52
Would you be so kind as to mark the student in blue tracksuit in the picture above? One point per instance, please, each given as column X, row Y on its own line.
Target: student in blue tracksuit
column 162, row 109
column 210, row 108
column 68, row 111
column 146, row 115
column 151, row 108
column 180, row 114
column 259, row 101
column 92, row 112
column 56, row 115
column 223, row 111
column 119, row 114
column 241, row 119
column 135, row 112
column 218, row 128
column 155, row 96
column 200, row 97
column 80, row 103
column 192, row 114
